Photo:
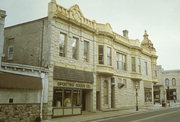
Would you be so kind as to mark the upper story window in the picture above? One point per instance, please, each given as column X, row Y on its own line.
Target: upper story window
column 121, row 61
column 166, row 82
column 75, row 45
column 146, row 67
column 10, row 52
column 133, row 63
column 101, row 54
column 62, row 44
column 173, row 82
column 86, row 51
column 139, row 65
column 108, row 56
column 154, row 70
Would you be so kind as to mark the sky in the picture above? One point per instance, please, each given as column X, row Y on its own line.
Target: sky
column 161, row 19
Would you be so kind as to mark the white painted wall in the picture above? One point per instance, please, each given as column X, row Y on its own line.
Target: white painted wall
column 20, row 96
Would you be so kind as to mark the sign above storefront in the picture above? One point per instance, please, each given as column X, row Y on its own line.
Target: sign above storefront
column 68, row 84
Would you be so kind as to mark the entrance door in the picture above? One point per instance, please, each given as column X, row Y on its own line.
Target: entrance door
column 112, row 97
column 97, row 100
column 83, row 100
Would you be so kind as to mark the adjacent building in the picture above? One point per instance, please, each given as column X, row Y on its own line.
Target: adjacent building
column 23, row 88
column 88, row 67
column 168, row 86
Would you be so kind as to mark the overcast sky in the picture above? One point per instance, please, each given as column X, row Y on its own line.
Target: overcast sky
column 161, row 19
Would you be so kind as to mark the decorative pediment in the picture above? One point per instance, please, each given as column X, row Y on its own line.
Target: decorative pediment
column 73, row 14
column 76, row 13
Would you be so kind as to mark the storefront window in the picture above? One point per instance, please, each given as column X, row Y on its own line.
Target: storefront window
column 57, row 97
column 67, row 98
column 76, row 98
column 148, row 94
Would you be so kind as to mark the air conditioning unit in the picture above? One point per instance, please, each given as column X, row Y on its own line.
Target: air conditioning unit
column 120, row 85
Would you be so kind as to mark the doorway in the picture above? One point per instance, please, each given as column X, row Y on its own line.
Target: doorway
column 97, row 100
column 83, row 100
column 112, row 96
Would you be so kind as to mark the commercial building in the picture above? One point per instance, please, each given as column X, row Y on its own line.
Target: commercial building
column 89, row 67
column 168, row 87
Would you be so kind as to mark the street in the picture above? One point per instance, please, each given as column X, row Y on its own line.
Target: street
column 169, row 115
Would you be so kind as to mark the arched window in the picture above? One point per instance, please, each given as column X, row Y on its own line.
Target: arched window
column 166, row 82
column 173, row 82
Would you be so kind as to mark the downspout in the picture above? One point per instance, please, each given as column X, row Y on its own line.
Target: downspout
column 42, row 96
column 41, row 44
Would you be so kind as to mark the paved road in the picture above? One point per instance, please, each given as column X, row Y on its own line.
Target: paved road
column 167, row 115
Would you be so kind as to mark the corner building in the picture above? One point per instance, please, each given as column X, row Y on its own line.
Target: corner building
column 90, row 67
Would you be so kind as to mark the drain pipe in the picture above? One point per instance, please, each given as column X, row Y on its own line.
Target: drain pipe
column 42, row 96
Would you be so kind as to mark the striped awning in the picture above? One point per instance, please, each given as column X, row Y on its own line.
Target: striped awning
column 16, row 81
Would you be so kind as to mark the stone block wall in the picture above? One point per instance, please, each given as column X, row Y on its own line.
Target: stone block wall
column 19, row 112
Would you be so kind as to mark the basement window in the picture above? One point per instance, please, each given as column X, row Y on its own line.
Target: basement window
column 11, row 100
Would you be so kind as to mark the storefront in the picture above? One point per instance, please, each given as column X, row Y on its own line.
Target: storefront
column 71, row 97
column 171, row 94
column 148, row 91
column 148, row 94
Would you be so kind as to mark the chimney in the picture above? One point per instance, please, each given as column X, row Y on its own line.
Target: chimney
column 2, row 19
column 125, row 33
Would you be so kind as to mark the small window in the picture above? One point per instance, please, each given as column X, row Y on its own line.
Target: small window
column 173, row 82
column 86, row 51
column 166, row 82
column 10, row 52
column 101, row 54
column 10, row 100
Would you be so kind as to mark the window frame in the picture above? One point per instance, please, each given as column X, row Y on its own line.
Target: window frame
column 166, row 82
column 86, row 52
column 10, row 53
column 64, row 44
column 139, row 65
column 75, row 53
column 121, row 61
column 146, row 67
column 173, row 81
column 133, row 64
column 101, row 55
column 109, row 56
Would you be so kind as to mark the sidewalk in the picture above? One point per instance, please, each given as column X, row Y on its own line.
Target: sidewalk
column 97, row 115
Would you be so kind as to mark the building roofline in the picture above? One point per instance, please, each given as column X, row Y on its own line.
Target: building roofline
column 26, row 22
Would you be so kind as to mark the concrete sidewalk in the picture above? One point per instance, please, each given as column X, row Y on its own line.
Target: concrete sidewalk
column 99, row 114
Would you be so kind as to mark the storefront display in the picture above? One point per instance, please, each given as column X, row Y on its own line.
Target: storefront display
column 66, row 101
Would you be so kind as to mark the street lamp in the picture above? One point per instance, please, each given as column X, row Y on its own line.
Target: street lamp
column 136, row 97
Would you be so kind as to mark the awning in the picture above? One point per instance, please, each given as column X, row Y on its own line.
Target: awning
column 15, row 81
column 67, row 74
